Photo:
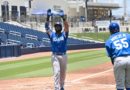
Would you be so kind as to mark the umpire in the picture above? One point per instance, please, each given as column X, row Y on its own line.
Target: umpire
column 118, row 49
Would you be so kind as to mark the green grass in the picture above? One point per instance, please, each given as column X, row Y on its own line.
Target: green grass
column 102, row 36
column 38, row 67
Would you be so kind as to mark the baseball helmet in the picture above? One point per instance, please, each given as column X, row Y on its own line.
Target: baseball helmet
column 114, row 28
column 58, row 26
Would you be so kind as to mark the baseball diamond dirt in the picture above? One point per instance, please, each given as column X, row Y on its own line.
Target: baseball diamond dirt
column 99, row 77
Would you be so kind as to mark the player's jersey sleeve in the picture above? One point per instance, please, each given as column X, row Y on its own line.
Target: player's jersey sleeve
column 66, row 34
column 51, row 35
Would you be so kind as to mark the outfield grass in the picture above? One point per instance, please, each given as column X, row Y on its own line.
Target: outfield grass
column 102, row 36
column 38, row 67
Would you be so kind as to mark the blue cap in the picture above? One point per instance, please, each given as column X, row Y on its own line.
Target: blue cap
column 57, row 24
column 114, row 27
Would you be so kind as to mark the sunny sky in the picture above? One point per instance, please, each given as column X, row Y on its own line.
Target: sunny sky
column 120, row 11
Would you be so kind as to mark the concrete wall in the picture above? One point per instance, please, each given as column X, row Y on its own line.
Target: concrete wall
column 37, row 4
column 52, row 4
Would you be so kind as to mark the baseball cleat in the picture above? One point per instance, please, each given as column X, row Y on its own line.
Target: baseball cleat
column 62, row 88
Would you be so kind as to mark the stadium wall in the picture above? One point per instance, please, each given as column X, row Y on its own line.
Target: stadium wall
column 10, row 51
column 38, row 5
column 15, row 50
column 70, row 47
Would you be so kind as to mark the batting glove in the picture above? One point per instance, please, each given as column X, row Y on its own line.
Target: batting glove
column 61, row 13
column 64, row 17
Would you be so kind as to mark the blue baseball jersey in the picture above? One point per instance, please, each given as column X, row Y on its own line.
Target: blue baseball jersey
column 118, row 45
column 59, row 42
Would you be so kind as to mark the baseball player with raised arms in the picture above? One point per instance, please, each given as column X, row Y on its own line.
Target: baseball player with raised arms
column 59, row 46
column 118, row 49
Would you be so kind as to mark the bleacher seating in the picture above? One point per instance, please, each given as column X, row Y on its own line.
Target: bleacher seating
column 3, row 36
column 20, row 35
column 72, row 41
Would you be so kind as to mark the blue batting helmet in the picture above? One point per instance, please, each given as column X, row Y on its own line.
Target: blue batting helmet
column 114, row 28
column 58, row 26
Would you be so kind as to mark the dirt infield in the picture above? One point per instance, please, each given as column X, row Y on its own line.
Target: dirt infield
column 96, row 78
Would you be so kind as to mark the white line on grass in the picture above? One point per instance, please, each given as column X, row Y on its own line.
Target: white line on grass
column 105, row 85
column 90, row 76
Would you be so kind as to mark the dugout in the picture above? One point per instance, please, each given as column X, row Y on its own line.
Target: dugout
column 10, row 51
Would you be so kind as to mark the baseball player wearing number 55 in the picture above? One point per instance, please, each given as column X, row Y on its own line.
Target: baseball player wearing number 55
column 59, row 46
column 118, row 49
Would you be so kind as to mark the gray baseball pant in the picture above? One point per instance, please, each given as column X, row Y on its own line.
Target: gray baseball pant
column 59, row 63
column 122, row 72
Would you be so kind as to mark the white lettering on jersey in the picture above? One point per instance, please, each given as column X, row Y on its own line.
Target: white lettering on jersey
column 58, row 39
column 121, row 43
column 118, row 37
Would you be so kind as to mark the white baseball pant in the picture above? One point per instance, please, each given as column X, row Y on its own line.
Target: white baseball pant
column 59, row 63
column 122, row 72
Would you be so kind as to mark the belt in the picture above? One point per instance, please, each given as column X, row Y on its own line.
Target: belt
column 59, row 53
column 123, row 56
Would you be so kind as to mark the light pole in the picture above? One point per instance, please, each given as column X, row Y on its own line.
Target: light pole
column 86, row 9
column 5, row 3
column 125, row 7
column 110, row 15
column 30, row 6
column 125, row 12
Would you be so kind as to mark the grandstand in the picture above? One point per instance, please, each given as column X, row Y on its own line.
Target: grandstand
column 12, row 34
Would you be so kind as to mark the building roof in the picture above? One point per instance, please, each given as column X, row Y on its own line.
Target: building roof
column 103, row 5
column 94, row 5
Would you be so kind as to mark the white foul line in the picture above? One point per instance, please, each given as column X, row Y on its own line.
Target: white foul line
column 93, row 75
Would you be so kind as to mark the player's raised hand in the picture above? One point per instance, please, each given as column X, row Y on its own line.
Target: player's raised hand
column 65, row 17
column 48, row 14
column 62, row 15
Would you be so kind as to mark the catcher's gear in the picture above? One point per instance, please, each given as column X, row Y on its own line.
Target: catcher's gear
column 114, row 28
